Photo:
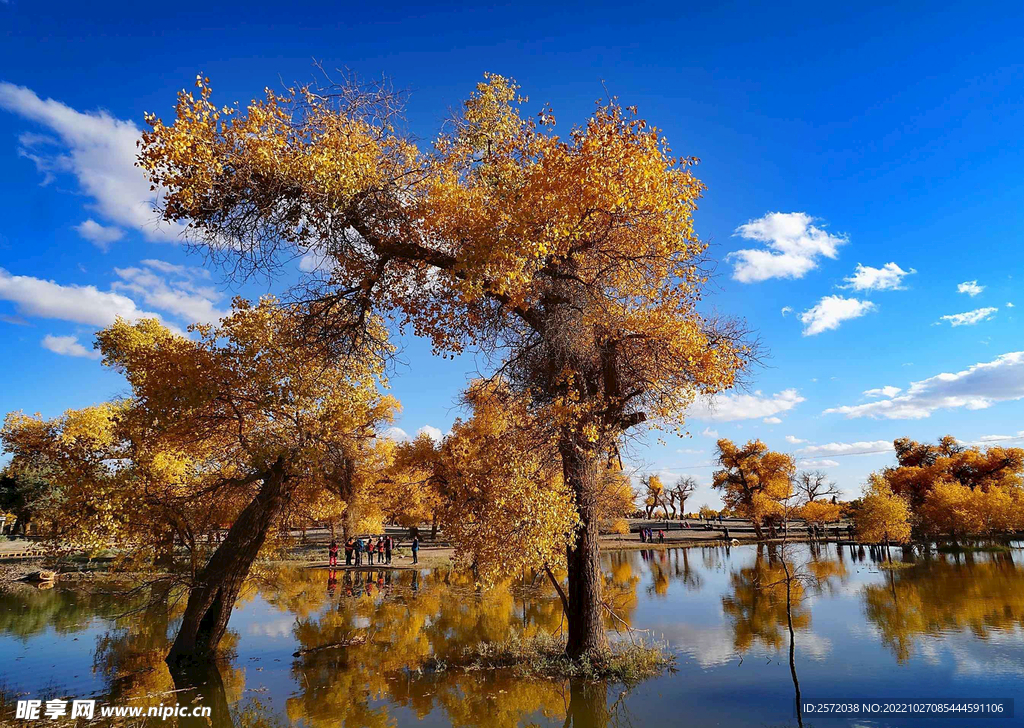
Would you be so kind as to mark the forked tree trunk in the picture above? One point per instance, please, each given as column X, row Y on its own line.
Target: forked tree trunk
column 210, row 602
column 586, row 633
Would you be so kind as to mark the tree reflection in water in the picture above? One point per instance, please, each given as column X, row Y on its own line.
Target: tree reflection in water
column 766, row 601
column 402, row 642
column 946, row 593
column 374, row 643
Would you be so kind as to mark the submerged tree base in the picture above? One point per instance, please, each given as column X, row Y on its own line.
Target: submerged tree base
column 544, row 656
column 894, row 565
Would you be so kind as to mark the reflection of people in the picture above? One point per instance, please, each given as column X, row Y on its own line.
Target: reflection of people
column 332, row 550
column 415, row 549
column 332, row 582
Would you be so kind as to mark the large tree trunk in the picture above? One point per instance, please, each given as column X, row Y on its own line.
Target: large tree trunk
column 586, row 628
column 210, row 602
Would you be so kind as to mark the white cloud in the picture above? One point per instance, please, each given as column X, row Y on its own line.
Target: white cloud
column 832, row 311
column 971, row 288
column 68, row 346
column 1009, row 304
column 975, row 388
column 888, row 391
column 99, row 150
column 78, row 304
column 970, row 318
column 315, row 260
column 773, row 420
column 731, row 407
column 432, row 432
column 708, row 432
column 997, row 438
column 792, row 246
column 786, row 310
column 817, row 463
column 793, row 440
column 99, row 235
column 182, row 297
column 887, row 278
column 395, row 433
column 172, row 269
column 848, row 448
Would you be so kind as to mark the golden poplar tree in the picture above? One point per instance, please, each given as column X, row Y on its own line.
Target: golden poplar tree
column 958, row 490
column 572, row 261
column 756, row 482
column 883, row 516
column 260, row 415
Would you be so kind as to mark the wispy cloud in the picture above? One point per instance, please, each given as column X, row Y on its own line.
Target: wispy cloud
column 872, row 447
column 978, row 387
column 970, row 318
column 99, row 150
column 179, row 293
column 733, row 407
column 888, row 391
column 831, row 311
column 826, row 463
column 35, row 297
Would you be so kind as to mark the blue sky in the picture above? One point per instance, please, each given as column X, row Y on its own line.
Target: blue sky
column 831, row 137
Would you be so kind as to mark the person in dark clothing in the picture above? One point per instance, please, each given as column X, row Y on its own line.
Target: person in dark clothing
column 359, row 552
column 643, row 535
column 388, row 545
column 332, row 552
column 350, row 546
column 415, row 549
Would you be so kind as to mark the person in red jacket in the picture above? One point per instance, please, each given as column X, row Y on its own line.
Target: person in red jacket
column 333, row 551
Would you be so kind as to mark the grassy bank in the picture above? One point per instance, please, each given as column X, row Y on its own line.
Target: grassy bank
column 544, row 656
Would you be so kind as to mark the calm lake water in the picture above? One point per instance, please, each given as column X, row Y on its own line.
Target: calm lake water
column 943, row 628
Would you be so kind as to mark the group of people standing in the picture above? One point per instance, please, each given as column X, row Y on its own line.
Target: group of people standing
column 647, row 535
column 365, row 547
